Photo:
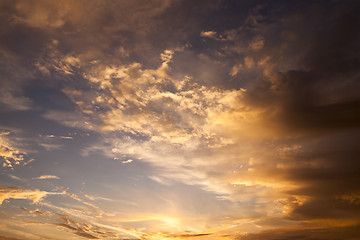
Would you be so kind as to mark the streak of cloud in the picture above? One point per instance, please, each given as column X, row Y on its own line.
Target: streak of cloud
column 42, row 177
column 17, row 193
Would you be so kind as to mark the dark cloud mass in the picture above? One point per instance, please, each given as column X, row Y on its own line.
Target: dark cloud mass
column 179, row 119
column 319, row 101
column 307, row 234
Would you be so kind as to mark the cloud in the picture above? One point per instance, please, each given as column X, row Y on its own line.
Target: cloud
column 298, row 123
column 86, row 225
column 323, row 120
column 8, row 238
column 47, row 177
column 210, row 34
column 236, row 68
column 151, row 103
column 18, row 193
column 277, row 139
column 13, row 101
column 127, row 161
column 36, row 211
column 66, row 137
column 17, row 178
column 9, row 155
column 257, row 43
column 249, row 62
column 213, row 35
column 41, row 15
column 179, row 114
column 345, row 233
column 73, row 196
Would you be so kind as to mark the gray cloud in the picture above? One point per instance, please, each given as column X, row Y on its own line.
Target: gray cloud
column 335, row 233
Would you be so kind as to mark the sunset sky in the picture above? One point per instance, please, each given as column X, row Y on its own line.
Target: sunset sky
column 179, row 119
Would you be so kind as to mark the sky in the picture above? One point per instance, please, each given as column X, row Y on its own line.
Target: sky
column 179, row 119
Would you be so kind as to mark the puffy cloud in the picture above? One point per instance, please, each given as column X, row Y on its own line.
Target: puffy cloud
column 210, row 34
column 151, row 103
column 9, row 155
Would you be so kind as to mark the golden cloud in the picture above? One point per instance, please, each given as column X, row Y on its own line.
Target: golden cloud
column 18, row 193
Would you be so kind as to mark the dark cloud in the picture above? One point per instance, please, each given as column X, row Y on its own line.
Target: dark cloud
column 333, row 233
column 320, row 91
column 317, row 102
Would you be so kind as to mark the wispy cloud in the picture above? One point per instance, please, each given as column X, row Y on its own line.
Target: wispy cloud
column 16, row 178
column 127, row 161
column 36, row 211
column 18, row 193
column 42, row 177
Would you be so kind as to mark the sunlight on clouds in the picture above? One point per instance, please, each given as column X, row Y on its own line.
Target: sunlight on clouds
column 152, row 103
column 209, row 34
column 9, row 155
column 185, row 126
column 17, row 193
column 236, row 69
column 249, row 62
column 183, row 129
column 47, row 177
column 179, row 120
column 257, row 43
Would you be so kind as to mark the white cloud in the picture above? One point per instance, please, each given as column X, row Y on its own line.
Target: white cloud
column 47, row 177
column 127, row 161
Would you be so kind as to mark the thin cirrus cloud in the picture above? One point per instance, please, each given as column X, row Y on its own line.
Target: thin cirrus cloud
column 227, row 120
column 42, row 177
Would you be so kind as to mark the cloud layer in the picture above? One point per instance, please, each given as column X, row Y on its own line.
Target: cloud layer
column 169, row 119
